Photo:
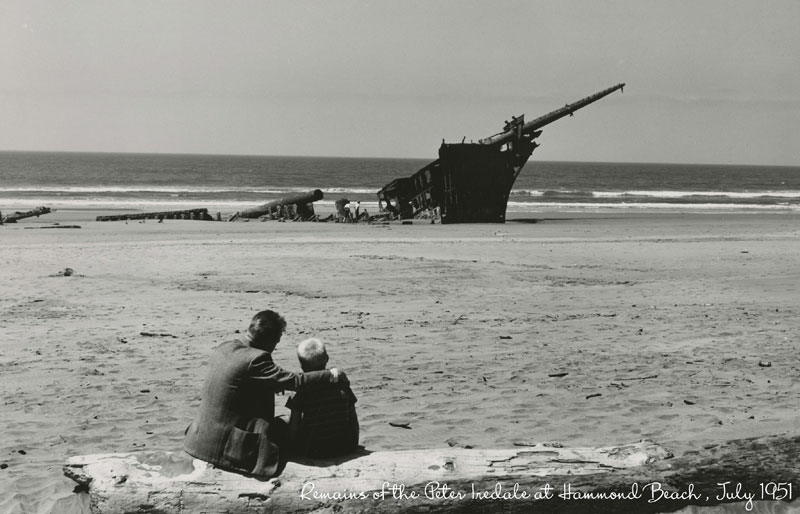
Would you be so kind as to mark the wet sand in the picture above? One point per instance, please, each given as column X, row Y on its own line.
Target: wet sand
column 584, row 329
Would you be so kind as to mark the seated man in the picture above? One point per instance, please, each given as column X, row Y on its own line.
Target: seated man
column 323, row 421
column 235, row 428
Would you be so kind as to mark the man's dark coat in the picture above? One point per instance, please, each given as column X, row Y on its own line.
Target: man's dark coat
column 237, row 407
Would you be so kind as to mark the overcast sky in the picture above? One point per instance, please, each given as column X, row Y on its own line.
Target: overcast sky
column 714, row 81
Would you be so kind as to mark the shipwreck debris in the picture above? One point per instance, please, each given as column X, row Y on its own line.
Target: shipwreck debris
column 296, row 207
column 13, row 218
column 56, row 225
column 188, row 214
column 470, row 182
column 343, row 209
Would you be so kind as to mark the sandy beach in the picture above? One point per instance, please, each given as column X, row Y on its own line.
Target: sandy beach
column 582, row 329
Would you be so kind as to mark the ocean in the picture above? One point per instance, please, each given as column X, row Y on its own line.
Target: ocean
column 229, row 183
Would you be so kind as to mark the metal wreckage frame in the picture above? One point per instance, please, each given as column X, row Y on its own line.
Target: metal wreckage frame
column 471, row 182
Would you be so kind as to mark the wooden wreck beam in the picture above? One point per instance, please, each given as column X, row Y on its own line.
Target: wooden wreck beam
column 299, row 199
column 188, row 214
column 536, row 478
column 13, row 218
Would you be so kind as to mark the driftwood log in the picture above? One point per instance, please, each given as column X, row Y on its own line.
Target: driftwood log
column 13, row 218
column 187, row 214
column 641, row 477
column 303, row 206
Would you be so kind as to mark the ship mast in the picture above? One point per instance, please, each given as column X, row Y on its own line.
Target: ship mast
column 517, row 128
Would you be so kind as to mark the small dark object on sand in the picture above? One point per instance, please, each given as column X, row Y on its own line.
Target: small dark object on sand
column 765, row 364
column 157, row 334
column 453, row 443
column 399, row 424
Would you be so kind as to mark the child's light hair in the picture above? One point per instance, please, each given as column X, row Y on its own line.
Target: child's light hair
column 312, row 355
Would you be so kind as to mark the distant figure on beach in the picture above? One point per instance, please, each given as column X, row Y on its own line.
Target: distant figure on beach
column 323, row 421
column 357, row 211
column 343, row 209
column 235, row 428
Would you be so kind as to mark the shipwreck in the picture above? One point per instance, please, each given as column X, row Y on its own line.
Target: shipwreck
column 471, row 182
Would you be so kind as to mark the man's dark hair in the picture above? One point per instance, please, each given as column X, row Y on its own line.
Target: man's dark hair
column 267, row 326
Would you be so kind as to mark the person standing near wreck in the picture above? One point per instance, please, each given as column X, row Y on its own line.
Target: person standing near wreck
column 235, row 428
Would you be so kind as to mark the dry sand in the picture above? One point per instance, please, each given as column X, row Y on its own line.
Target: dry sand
column 657, row 323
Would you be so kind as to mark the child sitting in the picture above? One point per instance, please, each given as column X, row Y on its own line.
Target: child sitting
column 323, row 421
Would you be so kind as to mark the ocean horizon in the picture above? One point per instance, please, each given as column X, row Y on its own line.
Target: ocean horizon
column 228, row 183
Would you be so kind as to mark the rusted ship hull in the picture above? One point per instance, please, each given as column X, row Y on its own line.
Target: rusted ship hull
column 471, row 182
